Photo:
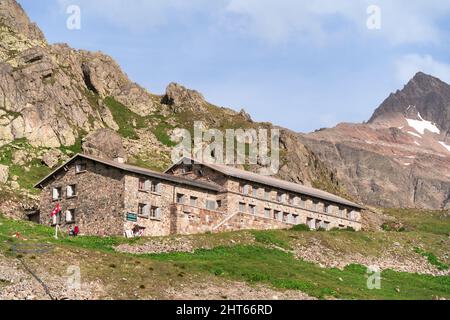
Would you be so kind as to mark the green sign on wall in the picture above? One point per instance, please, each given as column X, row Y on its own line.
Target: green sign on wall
column 132, row 217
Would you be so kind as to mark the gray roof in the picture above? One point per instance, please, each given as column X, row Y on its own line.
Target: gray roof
column 273, row 182
column 137, row 170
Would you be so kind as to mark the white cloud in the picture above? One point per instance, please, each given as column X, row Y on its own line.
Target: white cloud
column 412, row 21
column 140, row 15
column 407, row 66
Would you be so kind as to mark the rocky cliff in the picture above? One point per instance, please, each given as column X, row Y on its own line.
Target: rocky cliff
column 53, row 98
column 401, row 157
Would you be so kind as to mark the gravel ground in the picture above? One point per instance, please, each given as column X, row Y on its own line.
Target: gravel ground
column 18, row 284
column 395, row 258
column 232, row 291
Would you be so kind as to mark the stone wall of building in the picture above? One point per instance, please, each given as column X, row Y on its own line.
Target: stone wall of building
column 98, row 202
column 192, row 220
column 311, row 211
column 107, row 202
column 245, row 221
column 168, row 222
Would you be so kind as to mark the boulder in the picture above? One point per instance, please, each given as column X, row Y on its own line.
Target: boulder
column 4, row 173
column 104, row 143
column 52, row 158
column 20, row 157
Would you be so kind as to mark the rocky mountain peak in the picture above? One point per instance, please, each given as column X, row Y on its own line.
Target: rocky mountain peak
column 423, row 96
column 179, row 98
column 13, row 16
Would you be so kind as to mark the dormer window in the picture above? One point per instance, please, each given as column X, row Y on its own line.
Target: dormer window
column 186, row 169
column 81, row 167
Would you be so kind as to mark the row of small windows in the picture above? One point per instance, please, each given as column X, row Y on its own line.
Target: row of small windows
column 57, row 192
column 149, row 186
column 270, row 214
column 194, row 202
column 69, row 217
column 149, row 211
column 289, row 199
column 278, row 215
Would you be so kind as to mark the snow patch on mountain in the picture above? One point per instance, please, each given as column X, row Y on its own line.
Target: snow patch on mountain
column 445, row 145
column 415, row 134
column 422, row 125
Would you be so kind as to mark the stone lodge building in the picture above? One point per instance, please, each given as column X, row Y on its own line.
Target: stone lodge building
column 104, row 197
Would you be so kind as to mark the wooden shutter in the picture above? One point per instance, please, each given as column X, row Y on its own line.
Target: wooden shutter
column 158, row 213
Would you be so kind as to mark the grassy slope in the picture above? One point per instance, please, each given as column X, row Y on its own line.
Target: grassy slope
column 27, row 174
column 250, row 256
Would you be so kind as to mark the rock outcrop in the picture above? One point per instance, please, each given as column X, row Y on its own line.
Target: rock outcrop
column 13, row 16
column 104, row 143
column 180, row 98
column 50, row 92
column 425, row 95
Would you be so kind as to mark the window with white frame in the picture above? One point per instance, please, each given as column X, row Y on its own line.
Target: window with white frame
column 180, row 198
column 277, row 215
column 211, row 205
column 267, row 212
column 255, row 192
column 315, row 205
column 251, row 209
column 71, row 191
column 193, row 201
column 56, row 193
column 241, row 207
column 70, row 216
column 143, row 210
column 155, row 213
column 156, row 187
column 143, row 184
column 279, row 197
column 266, row 194
column 303, row 203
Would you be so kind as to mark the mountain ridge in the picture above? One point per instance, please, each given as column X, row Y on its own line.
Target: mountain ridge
column 401, row 156
column 54, row 97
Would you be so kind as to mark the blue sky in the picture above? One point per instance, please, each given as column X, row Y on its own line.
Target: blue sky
column 300, row 64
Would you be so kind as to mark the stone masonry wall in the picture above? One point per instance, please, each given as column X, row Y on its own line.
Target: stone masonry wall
column 165, row 200
column 308, row 214
column 244, row 221
column 191, row 220
column 98, row 203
